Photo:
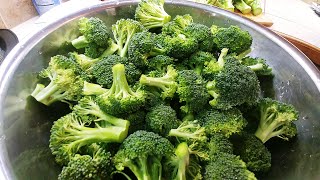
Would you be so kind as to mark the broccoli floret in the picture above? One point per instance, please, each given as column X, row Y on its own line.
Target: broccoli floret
column 197, row 60
column 66, row 81
column 142, row 152
column 36, row 162
column 224, row 4
column 136, row 119
column 123, row 31
column 276, row 120
column 167, row 83
column 161, row 119
column 97, row 165
column 144, row 45
column 202, row 34
column 93, row 30
column 182, row 165
column 189, row 131
column 152, row 14
column 102, row 71
column 231, row 83
column 258, row 65
column 227, row 166
column 227, row 122
column 219, row 143
column 191, row 91
column 160, row 63
column 87, row 62
column 253, row 152
column 70, row 133
column 233, row 38
column 242, row 6
column 181, row 46
column 177, row 26
column 120, row 98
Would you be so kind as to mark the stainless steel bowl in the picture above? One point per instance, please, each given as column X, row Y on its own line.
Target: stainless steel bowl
column 296, row 81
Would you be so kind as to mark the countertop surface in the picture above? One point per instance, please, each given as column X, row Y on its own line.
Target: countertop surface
column 292, row 17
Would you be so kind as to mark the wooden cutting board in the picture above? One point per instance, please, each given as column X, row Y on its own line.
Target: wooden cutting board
column 261, row 19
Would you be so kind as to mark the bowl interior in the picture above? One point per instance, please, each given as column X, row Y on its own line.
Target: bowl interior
column 26, row 124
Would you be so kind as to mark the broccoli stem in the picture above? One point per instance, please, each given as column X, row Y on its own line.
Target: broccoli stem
column 256, row 7
column 140, row 170
column 49, row 94
column 160, row 82
column 223, row 53
column 256, row 67
column 92, row 89
column 156, row 168
column 113, row 47
column 122, row 51
column 80, row 42
column 242, row 6
column 182, row 153
column 120, row 86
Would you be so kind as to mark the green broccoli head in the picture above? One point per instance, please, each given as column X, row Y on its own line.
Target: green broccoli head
column 142, row 152
column 102, row 70
column 97, row 165
column 227, row 166
column 226, row 122
column 231, row 83
column 177, row 26
column 123, row 31
column 219, row 143
column 198, row 60
column 233, row 38
column 276, row 120
column 144, row 45
column 167, row 83
column 161, row 119
column 258, row 65
column 159, row 63
column 93, row 30
column 181, row 46
column 191, row 91
column 202, row 34
column 121, row 98
column 152, row 14
column 66, row 81
column 137, row 120
column 253, row 152
column 70, row 133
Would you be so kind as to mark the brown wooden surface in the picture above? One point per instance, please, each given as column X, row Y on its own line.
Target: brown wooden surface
column 311, row 51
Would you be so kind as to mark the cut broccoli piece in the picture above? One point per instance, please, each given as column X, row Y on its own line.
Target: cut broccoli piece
column 276, row 120
column 142, row 152
column 123, row 31
column 102, row 71
column 255, row 6
column 233, row 38
column 97, row 165
column 66, row 81
column 160, row 63
column 219, row 143
column 177, row 26
column 93, row 89
column 93, row 30
column 70, row 133
column 197, row 60
column 191, row 91
column 121, row 98
column 226, row 122
column 253, row 152
column 161, row 119
column 258, row 65
column 224, row 4
column 231, row 83
column 242, row 6
column 167, row 83
column 181, row 46
column 189, row 130
column 202, row 34
column 152, row 14
column 227, row 166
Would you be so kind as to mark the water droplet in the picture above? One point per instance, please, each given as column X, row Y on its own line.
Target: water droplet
column 305, row 117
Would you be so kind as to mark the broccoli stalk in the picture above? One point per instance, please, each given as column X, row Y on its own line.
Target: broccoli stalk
column 92, row 89
column 189, row 130
column 166, row 83
column 180, row 161
column 276, row 120
column 224, row 4
column 152, row 14
column 255, row 6
column 80, row 42
column 242, row 6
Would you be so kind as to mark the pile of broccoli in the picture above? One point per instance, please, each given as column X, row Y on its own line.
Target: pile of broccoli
column 244, row 6
column 166, row 105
